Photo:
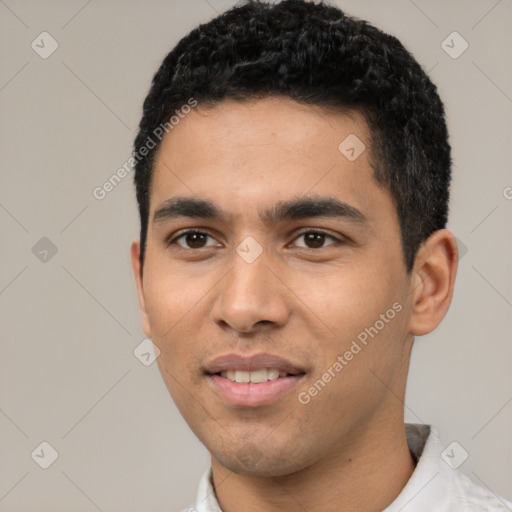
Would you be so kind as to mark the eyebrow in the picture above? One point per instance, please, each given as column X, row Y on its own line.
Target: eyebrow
column 294, row 209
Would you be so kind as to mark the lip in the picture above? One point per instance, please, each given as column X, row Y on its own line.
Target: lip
column 250, row 363
column 252, row 395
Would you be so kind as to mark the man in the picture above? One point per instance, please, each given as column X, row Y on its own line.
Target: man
column 292, row 177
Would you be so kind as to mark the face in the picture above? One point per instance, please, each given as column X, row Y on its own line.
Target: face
column 292, row 278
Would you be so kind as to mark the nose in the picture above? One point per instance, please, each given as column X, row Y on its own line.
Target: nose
column 251, row 296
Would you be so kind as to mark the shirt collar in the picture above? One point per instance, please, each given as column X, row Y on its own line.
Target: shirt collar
column 430, row 487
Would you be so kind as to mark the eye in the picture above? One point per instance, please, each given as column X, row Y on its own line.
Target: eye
column 192, row 239
column 195, row 239
column 314, row 239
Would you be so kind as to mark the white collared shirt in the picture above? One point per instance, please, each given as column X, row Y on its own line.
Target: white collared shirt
column 434, row 485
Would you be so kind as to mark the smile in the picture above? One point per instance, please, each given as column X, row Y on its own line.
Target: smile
column 254, row 377
column 256, row 380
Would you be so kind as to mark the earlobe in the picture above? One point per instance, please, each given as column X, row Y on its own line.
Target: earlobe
column 137, row 274
column 433, row 281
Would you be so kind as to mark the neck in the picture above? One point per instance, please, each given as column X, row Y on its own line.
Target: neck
column 367, row 474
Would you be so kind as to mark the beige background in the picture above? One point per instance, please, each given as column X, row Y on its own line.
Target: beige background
column 69, row 324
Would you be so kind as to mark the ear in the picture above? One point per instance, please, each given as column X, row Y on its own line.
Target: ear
column 137, row 273
column 433, row 281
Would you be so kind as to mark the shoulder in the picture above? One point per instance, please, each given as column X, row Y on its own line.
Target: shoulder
column 436, row 485
column 477, row 498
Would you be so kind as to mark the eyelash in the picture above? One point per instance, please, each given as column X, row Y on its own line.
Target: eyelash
column 172, row 240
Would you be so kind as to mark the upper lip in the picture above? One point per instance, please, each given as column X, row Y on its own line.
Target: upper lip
column 251, row 363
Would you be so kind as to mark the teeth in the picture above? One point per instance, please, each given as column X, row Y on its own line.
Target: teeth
column 273, row 374
column 254, row 377
column 242, row 376
column 257, row 376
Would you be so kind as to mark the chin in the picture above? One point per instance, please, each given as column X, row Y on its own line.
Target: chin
column 249, row 460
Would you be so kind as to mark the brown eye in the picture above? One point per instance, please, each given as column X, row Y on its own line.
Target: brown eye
column 314, row 239
column 193, row 240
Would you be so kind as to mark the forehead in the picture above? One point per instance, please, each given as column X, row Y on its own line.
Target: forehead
column 245, row 128
column 250, row 154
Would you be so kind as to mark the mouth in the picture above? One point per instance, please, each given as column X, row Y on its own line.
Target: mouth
column 256, row 376
column 252, row 381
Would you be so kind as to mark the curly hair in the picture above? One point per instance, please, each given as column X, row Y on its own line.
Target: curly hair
column 315, row 54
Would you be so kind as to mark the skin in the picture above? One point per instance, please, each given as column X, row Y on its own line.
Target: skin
column 346, row 449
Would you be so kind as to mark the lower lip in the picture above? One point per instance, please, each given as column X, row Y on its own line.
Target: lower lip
column 253, row 395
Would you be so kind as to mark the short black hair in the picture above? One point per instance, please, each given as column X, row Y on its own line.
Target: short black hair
column 314, row 54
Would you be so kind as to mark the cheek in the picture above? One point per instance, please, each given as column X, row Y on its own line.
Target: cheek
column 366, row 314
column 345, row 299
column 176, row 347
column 171, row 295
